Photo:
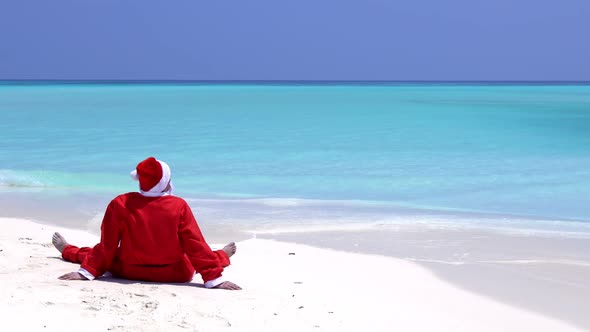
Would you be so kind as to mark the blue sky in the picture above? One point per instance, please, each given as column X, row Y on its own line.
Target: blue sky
column 295, row 39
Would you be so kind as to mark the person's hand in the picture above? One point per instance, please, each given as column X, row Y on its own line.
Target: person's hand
column 72, row 276
column 228, row 285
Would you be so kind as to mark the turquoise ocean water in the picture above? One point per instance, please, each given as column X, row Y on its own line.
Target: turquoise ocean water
column 300, row 153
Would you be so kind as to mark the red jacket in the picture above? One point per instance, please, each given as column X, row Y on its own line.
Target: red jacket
column 151, row 231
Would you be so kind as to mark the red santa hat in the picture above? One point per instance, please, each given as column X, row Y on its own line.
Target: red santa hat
column 153, row 175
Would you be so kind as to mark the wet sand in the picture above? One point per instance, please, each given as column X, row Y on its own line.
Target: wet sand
column 546, row 274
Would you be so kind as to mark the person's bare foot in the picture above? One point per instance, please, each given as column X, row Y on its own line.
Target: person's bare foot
column 59, row 242
column 230, row 249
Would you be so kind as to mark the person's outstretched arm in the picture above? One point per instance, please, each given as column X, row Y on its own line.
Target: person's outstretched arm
column 102, row 255
column 203, row 259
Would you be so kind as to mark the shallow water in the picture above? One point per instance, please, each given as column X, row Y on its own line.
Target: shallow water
column 323, row 154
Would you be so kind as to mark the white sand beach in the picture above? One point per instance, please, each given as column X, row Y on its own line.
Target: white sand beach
column 286, row 287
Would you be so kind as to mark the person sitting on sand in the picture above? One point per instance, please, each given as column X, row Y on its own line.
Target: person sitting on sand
column 149, row 235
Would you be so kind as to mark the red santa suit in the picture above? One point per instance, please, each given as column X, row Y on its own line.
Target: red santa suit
column 150, row 236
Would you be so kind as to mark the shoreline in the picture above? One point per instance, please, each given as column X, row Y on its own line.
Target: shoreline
column 544, row 274
column 314, row 289
column 244, row 218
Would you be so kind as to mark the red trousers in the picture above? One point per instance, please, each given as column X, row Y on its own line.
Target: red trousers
column 181, row 271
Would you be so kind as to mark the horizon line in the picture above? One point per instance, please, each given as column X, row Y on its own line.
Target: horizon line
column 287, row 82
